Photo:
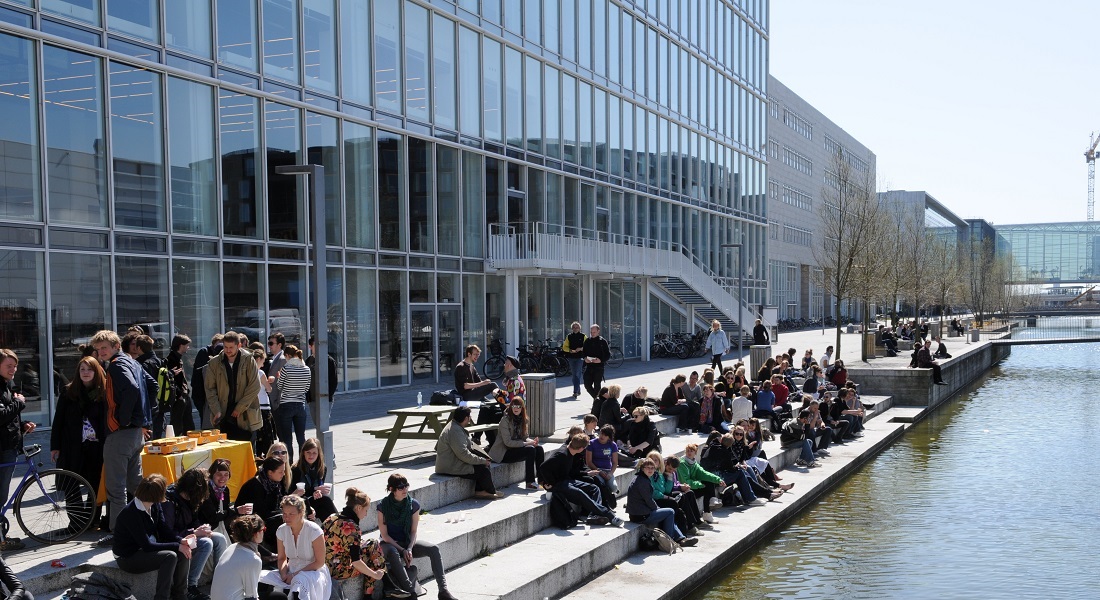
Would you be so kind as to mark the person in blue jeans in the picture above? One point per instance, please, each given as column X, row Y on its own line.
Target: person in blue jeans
column 293, row 384
column 643, row 509
column 799, row 431
column 573, row 347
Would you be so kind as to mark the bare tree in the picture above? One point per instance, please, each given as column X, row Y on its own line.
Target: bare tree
column 851, row 215
column 944, row 276
column 986, row 278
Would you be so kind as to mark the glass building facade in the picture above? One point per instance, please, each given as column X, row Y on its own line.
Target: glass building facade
column 1053, row 252
column 141, row 138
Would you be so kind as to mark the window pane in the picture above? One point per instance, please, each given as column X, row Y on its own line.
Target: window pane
column 469, row 82
column 237, row 33
column 614, row 145
column 387, row 60
column 136, row 17
column 416, row 62
column 137, row 148
column 362, row 329
column 491, row 72
column 83, row 10
column 287, row 303
column 534, row 104
column 281, row 39
column 584, row 33
column 532, row 20
column 242, row 286
column 626, row 42
column 23, row 302
column 240, row 143
column 569, row 28
column 554, row 136
column 568, row 117
column 513, row 96
column 19, row 161
column 359, row 184
column 420, row 195
column 80, row 304
column 599, row 25
column 391, row 206
column 144, row 280
column 446, row 182
column 323, row 149
column 550, row 24
column 196, row 293
column 513, row 16
column 285, row 193
column 75, row 149
column 613, row 21
column 584, row 127
column 473, row 214
column 355, row 47
column 443, row 76
column 319, row 63
column 187, row 26
column 393, row 312
column 599, row 119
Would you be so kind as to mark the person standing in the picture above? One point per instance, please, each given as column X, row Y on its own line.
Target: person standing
column 198, row 378
column 311, row 362
column 266, row 434
column 596, row 354
column 293, row 384
column 12, row 428
column 79, row 427
column 760, row 334
column 718, row 343
column 127, row 386
column 233, row 390
column 574, row 353
column 273, row 367
column 180, row 408
column 151, row 363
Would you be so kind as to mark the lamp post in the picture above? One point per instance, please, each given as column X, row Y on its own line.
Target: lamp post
column 740, row 295
column 316, row 228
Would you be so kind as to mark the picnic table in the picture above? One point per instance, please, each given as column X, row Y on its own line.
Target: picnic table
column 414, row 424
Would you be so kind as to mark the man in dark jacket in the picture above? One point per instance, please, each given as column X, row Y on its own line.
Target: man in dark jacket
column 596, row 354
column 558, row 476
column 12, row 428
column 760, row 334
column 127, row 397
column 152, row 363
column 925, row 361
column 180, row 409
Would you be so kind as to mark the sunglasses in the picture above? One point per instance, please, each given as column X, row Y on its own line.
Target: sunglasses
column 401, row 486
column 279, row 453
column 271, row 343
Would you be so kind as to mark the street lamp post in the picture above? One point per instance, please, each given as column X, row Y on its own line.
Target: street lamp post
column 316, row 217
column 740, row 295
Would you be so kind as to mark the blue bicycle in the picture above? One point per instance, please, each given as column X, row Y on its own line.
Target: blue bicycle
column 51, row 506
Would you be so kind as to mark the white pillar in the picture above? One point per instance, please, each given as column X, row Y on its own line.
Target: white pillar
column 511, row 310
column 643, row 313
column 588, row 294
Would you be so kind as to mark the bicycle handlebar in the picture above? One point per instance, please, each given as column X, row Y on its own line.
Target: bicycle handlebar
column 31, row 450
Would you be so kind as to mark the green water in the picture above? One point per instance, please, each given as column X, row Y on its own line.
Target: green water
column 993, row 496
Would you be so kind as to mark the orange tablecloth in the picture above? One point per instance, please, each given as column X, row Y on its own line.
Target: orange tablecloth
column 172, row 466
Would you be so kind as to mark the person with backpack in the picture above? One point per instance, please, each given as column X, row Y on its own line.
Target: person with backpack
column 152, row 363
column 174, row 389
column 643, row 509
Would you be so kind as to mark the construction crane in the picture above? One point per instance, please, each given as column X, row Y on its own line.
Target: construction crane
column 1090, row 158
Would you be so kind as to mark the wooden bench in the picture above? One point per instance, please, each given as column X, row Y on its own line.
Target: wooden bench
column 426, row 424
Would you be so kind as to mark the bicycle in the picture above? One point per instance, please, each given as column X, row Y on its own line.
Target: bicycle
column 56, row 503
column 494, row 365
column 616, row 359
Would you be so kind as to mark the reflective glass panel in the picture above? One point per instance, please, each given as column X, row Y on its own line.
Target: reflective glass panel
column 192, row 169
column 323, row 148
column 391, row 205
column 513, row 96
column 19, row 161
column 492, row 89
column 584, row 127
column 532, row 20
column 417, row 80
column 614, row 145
column 613, row 21
column 75, row 146
column 240, row 147
column 242, row 289
column 319, row 61
column 469, row 82
column 533, row 90
column 554, row 136
column 387, row 55
column 80, row 304
column 362, row 329
column 359, row 184
column 443, row 76
column 473, row 213
column 569, row 28
column 187, row 26
column 446, row 183
column 584, row 33
column 393, row 314
column 355, row 50
column 23, row 312
column 550, row 24
column 568, row 117
column 237, row 33
column 144, row 303
column 421, row 205
column 287, row 303
column 285, row 193
column 139, row 18
column 513, row 16
column 81, row 10
column 196, row 296
column 599, row 25
column 281, row 39
column 599, row 121
column 626, row 42
column 137, row 149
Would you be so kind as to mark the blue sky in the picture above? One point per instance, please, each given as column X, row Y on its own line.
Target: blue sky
column 987, row 105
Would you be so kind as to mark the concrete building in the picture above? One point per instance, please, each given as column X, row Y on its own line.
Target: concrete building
column 802, row 146
column 494, row 170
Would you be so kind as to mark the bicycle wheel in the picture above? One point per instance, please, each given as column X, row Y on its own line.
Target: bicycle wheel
column 422, row 366
column 682, row 351
column 494, row 367
column 528, row 364
column 56, row 506
column 616, row 358
column 563, row 366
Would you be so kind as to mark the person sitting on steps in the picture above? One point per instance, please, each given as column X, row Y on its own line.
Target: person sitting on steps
column 458, row 456
column 559, row 478
column 643, row 509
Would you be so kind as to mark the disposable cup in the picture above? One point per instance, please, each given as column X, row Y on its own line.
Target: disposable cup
column 192, row 542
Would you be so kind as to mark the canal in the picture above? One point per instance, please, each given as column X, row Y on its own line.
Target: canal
column 995, row 495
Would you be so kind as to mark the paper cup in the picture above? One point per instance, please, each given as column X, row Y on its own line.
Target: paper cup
column 192, row 542
column 302, row 486
column 247, row 508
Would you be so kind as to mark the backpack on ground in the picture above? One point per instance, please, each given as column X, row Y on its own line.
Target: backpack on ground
column 444, row 398
column 166, row 389
column 665, row 543
column 97, row 586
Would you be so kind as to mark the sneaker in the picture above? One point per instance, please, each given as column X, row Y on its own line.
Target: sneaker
column 813, row 465
column 616, row 522
column 715, row 503
column 692, row 531
column 105, row 542
column 757, row 502
column 708, row 517
column 193, row 593
column 687, row 541
column 11, row 544
column 823, row 452
column 799, row 462
column 705, row 524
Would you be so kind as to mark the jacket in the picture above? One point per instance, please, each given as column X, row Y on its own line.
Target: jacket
column 67, row 433
column 311, row 361
column 453, row 455
column 178, row 514
column 597, row 347
column 639, row 498
column 694, row 475
column 558, row 467
column 274, row 366
column 718, row 342
column 135, row 530
column 574, row 342
column 15, row 587
column 504, row 439
column 10, row 410
column 129, row 388
column 248, row 389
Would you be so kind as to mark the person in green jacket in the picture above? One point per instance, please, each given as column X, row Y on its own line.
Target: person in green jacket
column 698, row 478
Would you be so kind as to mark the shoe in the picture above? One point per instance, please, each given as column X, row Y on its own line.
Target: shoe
column 687, row 541
column 105, row 542
column 532, row 486
column 398, row 594
column 193, row 593
column 498, row 495
column 11, row 544
column 715, row 503
column 485, row 495
column 823, row 452
column 616, row 522
column 445, row 595
column 786, row 487
column 775, row 496
column 705, row 524
column 813, row 465
column 692, row 531
column 708, row 517
column 756, row 502
column 799, row 462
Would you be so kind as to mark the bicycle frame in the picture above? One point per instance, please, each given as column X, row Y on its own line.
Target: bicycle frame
column 32, row 471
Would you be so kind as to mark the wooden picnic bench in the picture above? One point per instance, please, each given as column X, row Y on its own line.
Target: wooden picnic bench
column 423, row 423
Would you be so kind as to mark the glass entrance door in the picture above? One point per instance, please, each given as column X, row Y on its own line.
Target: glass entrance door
column 435, row 341
column 422, row 342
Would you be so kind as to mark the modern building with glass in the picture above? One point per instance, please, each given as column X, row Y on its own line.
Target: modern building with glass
column 1054, row 253
column 494, row 169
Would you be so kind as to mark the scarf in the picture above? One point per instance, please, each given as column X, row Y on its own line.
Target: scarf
column 704, row 410
column 274, row 488
column 398, row 515
column 220, row 493
column 519, row 432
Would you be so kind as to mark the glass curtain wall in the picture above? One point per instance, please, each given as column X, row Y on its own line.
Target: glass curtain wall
column 20, row 165
column 23, row 313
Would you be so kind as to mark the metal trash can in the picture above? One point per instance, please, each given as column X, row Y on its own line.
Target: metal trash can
column 758, row 355
column 934, row 330
column 541, row 388
column 869, row 345
column 975, row 334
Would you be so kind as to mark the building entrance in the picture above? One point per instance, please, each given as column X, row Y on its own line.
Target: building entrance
column 435, row 334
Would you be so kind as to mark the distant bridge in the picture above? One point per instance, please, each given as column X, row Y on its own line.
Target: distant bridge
column 1057, row 327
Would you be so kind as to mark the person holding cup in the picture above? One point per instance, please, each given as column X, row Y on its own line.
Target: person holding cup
column 143, row 541
column 264, row 492
column 218, row 510
column 308, row 477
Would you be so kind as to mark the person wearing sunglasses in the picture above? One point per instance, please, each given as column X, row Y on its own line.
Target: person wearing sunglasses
column 398, row 518
column 264, row 492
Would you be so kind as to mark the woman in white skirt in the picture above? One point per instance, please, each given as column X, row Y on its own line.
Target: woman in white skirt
column 301, row 559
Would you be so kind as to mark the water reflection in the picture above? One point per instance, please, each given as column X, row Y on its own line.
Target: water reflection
column 991, row 497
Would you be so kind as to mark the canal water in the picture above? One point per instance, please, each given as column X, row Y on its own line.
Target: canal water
column 995, row 495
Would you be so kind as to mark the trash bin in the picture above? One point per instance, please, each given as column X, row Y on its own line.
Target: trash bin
column 758, row 355
column 975, row 334
column 869, row 344
column 850, row 328
column 541, row 388
column 934, row 330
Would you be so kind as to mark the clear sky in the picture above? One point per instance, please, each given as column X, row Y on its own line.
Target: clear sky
column 986, row 105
